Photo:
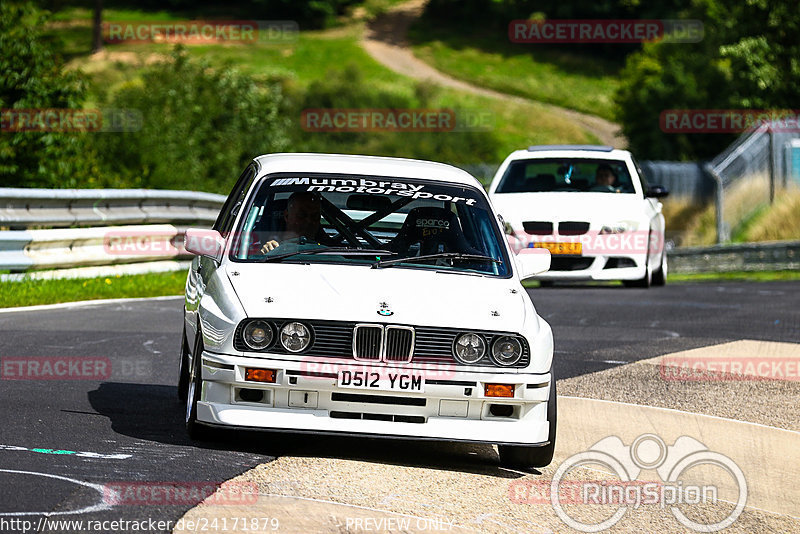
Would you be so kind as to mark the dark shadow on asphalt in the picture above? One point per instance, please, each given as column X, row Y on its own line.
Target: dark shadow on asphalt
column 153, row 413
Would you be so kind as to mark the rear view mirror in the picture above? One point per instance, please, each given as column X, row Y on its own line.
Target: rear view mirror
column 368, row 203
column 202, row 242
column 532, row 261
column 656, row 191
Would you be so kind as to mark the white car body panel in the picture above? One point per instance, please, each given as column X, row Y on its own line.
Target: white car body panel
column 220, row 296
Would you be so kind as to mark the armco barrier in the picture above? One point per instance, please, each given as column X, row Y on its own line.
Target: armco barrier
column 774, row 256
column 80, row 228
column 60, row 208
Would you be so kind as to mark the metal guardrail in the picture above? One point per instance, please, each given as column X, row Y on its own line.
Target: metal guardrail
column 774, row 256
column 79, row 228
column 60, row 208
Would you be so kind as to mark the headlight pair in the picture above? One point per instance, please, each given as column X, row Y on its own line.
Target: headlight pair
column 259, row 334
column 471, row 348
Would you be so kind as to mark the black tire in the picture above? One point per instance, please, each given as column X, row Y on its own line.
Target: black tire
column 183, row 373
column 518, row 457
column 195, row 430
column 660, row 276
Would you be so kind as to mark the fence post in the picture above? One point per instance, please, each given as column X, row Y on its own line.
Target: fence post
column 771, row 162
column 721, row 231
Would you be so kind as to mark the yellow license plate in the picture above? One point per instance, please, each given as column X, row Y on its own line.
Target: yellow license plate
column 561, row 248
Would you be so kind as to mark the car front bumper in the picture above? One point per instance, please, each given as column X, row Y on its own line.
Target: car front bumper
column 452, row 406
column 599, row 268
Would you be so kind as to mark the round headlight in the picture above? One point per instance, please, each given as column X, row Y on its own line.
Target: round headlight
column 506, row 350
column 295, row 337
column 257, row 334
column 469, row 348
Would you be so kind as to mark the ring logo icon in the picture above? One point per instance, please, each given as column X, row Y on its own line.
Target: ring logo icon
column 676, row 465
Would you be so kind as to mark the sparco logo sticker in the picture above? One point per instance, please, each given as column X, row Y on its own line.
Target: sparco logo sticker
column 433, row 223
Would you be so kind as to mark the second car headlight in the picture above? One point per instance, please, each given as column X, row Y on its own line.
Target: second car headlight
column 257, row 335
column 506, row 350
column 295, row 337
column 469, row 348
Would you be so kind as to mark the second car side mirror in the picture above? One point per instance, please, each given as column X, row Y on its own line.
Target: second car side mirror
column 532, row 261
column 202, row 242
column 656, row 191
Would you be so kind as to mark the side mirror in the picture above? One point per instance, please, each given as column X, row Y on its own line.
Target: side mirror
column 532, row 261
column 202, row 242
column 656, row 191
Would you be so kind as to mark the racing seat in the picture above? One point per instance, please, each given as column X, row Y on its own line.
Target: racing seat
column 430, row 230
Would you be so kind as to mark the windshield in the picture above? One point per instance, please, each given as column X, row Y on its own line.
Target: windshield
column 370, row 220
column 566, row 175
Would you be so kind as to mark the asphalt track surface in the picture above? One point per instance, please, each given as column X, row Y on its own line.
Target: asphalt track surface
column 65, row 428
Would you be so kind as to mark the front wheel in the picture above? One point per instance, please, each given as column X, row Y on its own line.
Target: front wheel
column 521, row 457
column 195, row 430
column 183, row 372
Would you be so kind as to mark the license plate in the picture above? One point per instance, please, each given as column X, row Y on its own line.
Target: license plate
column 384, row 381
column 560, row 248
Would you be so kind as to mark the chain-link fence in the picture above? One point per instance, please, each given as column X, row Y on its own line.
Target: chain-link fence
column 749, row 172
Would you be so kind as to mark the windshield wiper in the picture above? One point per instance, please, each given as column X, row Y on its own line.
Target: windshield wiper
column 447, row 255
column 332, row 250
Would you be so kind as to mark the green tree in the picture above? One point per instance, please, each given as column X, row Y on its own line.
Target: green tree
column 32, row 77
column 748, row 59
column 199, row 128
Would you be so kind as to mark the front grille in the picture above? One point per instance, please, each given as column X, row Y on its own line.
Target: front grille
column 377, row 417
column 399, row 344
column 561, row 263
column 337, row 339
column 378, row 399
column 367, row 342
column 538, row 227
column 573, row 228
column 619, row 263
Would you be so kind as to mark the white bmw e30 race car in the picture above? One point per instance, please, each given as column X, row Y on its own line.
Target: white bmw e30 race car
column 590, row 206
column 366, row 296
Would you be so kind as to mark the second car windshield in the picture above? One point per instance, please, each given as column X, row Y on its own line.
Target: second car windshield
column 566, row 175
column 325, row 218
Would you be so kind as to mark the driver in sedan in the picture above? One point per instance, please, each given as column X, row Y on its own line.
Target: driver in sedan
column 302, row 218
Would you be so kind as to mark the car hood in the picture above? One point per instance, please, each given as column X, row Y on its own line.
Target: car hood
column 601, row 208
column 355, row 293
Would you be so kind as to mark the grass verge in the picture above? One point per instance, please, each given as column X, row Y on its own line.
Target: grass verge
column 736, row 276
column 487, row 59
column 739, row 276
column 35, row 292
column 302, row 62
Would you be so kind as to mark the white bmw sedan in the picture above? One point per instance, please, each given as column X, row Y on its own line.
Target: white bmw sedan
column 590, row 206
column 366, row 296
